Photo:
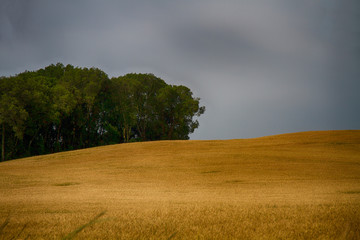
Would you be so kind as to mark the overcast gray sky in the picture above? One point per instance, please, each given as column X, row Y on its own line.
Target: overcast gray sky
column 260, row 67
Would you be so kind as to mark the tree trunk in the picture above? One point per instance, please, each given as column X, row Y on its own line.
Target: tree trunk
column 171, row 130
column 58, row 138
column 3, row 143
column 124, row 134
column 32, row 139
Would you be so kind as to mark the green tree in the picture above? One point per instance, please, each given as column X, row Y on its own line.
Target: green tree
column 124, row 110
column 83, row 87
column 145, row 89
column 37, row 95
column 177, row 109
column 12, row 109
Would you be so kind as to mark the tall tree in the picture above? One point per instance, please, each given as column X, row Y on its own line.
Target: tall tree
column 177, row 109
column 12, row 108
column 124, row 110
column 145, row 89
column 83, row 87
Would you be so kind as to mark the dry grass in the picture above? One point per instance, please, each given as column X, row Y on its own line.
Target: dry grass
column 292, row 186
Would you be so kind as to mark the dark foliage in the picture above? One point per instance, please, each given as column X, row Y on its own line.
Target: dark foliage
column 61, row 108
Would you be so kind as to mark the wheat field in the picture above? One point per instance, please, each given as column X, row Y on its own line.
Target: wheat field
column 291, row 186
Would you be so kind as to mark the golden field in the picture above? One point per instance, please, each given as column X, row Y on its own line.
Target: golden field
column 292, row 186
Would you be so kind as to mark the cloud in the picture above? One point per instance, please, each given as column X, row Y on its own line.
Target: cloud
column 260, row 66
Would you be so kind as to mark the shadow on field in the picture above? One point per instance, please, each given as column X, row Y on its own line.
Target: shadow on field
column 93, row 221
column 79, row 229
column 67, row 237
column 6, row 222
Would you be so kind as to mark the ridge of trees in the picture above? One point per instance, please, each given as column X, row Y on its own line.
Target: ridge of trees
column 61, row 108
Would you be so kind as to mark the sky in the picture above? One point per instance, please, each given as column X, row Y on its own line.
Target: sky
column 260, row 67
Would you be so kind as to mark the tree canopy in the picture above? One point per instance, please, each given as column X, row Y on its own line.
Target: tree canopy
column 61, row 108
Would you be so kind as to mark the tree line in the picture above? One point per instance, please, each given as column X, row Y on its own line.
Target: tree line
column 61, row 108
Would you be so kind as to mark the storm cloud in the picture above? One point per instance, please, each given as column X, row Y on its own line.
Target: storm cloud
column 260, row 67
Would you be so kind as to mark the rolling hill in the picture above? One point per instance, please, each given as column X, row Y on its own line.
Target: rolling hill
column 292, row 186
